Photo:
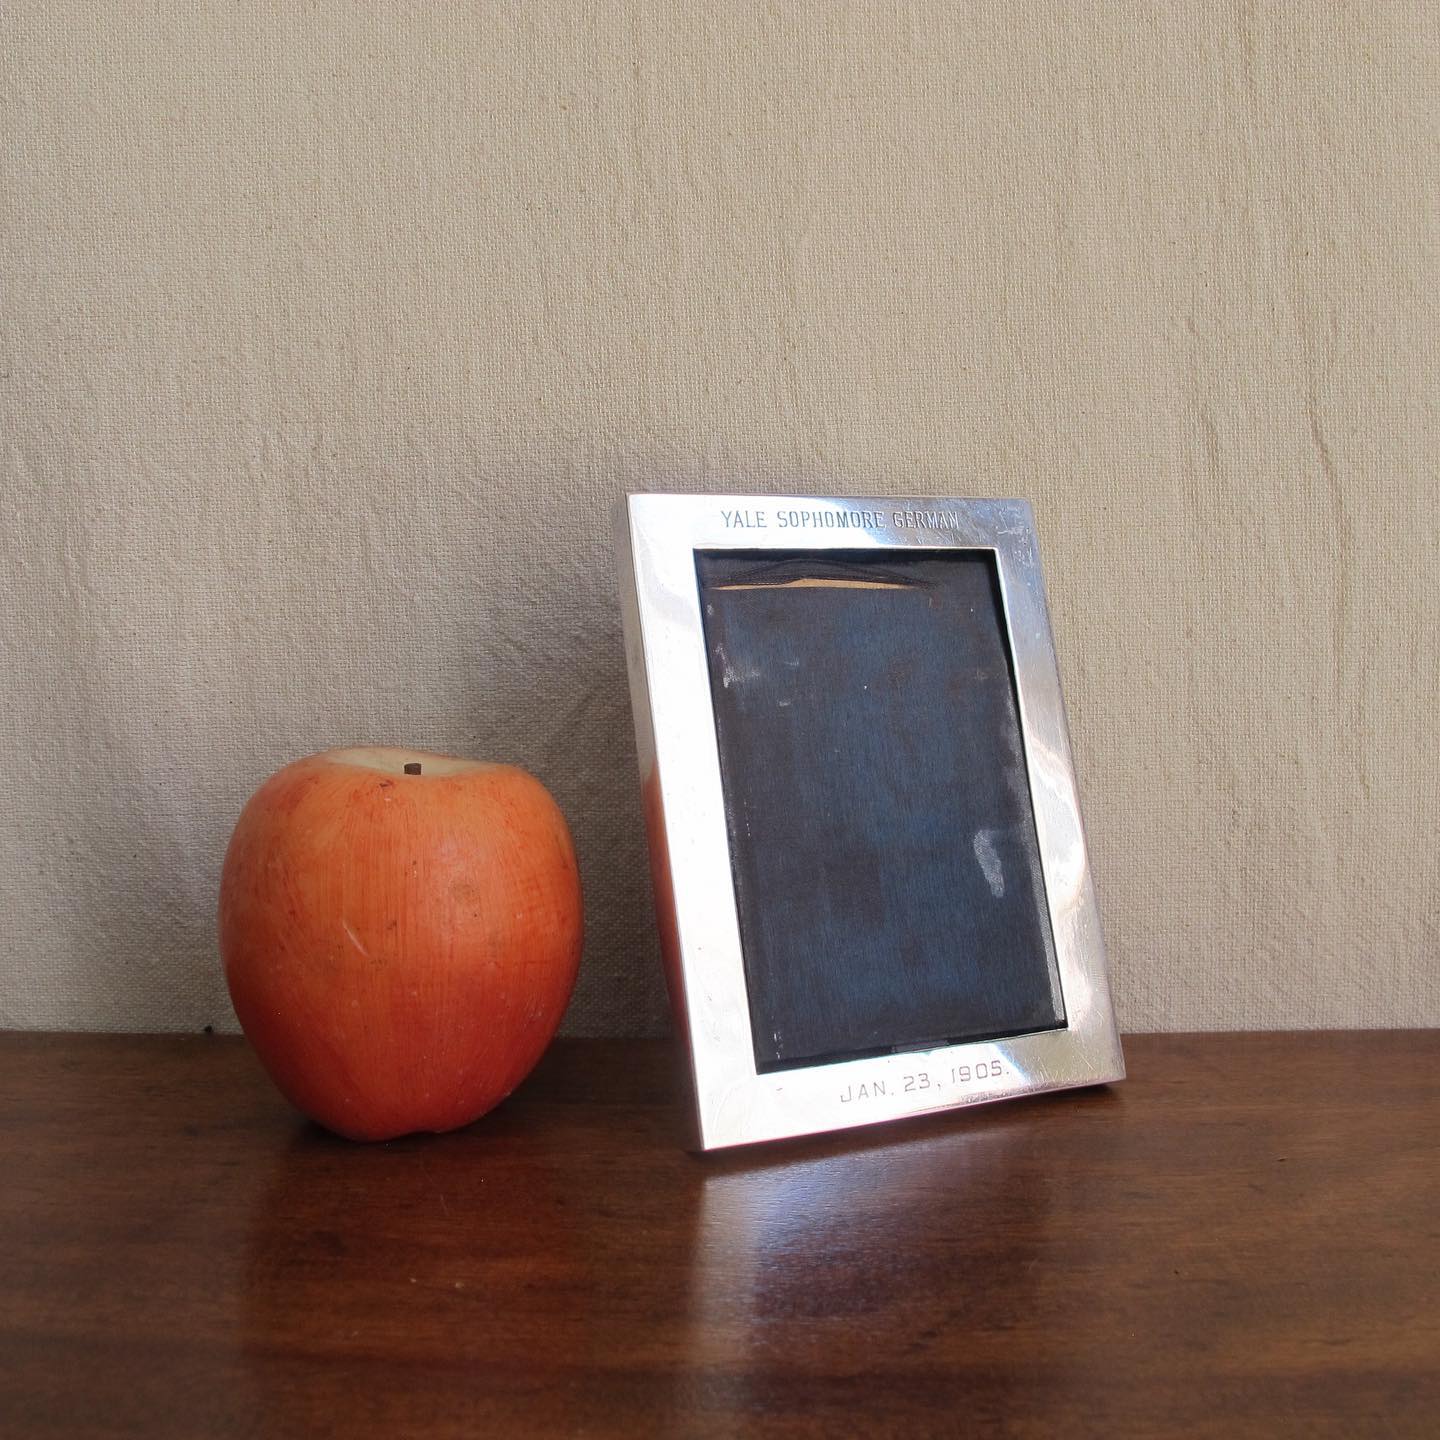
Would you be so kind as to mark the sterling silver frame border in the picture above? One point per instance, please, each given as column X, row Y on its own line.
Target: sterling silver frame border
column 658, row 536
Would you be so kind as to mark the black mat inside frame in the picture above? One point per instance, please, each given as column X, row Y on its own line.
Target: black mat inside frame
column 883, row 846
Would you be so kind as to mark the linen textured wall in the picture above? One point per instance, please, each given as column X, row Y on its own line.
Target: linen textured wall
column 331, row 332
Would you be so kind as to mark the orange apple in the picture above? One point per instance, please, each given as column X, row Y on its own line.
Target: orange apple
column 400, row 933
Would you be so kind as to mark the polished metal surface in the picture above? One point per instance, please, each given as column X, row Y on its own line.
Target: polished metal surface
column 658, row 536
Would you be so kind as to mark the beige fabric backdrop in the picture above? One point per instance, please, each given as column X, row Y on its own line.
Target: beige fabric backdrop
column 330, row 332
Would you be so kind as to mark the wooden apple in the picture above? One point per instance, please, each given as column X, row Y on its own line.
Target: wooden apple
column 400, row 933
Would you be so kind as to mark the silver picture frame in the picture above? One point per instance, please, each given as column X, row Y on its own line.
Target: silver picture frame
column 735, row 1102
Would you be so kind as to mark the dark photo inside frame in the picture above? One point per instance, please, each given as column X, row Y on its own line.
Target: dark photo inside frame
column 882, row 840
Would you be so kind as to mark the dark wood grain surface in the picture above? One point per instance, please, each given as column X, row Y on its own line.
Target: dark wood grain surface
column 1244, row 1238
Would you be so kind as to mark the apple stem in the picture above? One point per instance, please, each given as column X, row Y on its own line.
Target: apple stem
column 413, row 767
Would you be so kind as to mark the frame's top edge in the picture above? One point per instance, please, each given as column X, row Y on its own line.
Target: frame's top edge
column 772, row 521
column 672, row 498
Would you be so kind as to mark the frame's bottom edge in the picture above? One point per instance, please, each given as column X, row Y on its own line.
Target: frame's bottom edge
column 722, row 1144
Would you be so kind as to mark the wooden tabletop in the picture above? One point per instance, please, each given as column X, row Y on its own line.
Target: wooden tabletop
column 1243, row 1238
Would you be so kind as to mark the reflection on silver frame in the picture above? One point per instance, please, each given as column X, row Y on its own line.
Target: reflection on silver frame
column 658, row 536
